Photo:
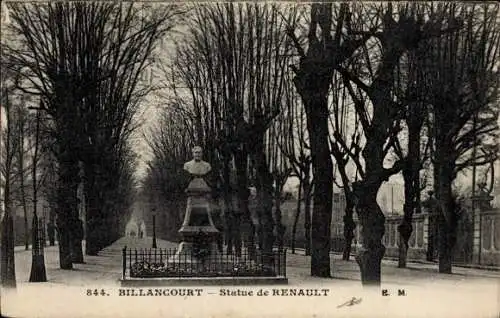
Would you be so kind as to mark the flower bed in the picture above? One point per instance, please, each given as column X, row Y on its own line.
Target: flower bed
column 145, row 269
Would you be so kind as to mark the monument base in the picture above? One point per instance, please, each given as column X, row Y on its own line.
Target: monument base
column 186, row 259
column 186, row 254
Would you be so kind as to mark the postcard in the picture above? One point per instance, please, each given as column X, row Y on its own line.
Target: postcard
column 249, row 159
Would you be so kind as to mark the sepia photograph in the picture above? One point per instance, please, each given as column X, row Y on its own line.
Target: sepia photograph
column 249, row 159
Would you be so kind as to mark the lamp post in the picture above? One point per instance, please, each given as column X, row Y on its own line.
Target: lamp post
column 154, row 228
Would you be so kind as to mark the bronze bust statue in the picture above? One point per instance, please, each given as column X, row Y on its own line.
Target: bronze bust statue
column 197, row 167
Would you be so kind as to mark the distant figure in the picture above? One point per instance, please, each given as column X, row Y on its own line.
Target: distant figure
column 131, row 228
column 139, row 230
column 197, row 167
column 142, row 228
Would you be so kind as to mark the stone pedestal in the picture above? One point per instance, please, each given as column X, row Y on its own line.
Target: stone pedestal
column 198, row 227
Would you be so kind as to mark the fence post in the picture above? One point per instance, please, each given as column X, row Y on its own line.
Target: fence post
column 124, row 261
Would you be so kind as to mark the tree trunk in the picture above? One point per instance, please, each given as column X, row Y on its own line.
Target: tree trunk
column 243, row 215
column 316, row 106
column 307, row 215
column 227, row 195
column 67, row 208
column 279, row 228
column 20, row 156
column 7, row 260
column 249, row 233
column 103, row 228
column 411, row 176
column 297, row 215
column 26, row 231
column 372, row 222
column 26, row 227
column 7, row 264
column 432, row 230
column 76, row 247
column 405, row 227
column 371, row 217
column 23, row 196
column 51, row 229
column 312, row 80
column 93, row 235
column 349, row 227
column 240, row 161
column 229, row 231
column 447, row 218
column 76, row 250
column 38, row 272
column 93, row 218
column 445, row 246
column 265, row 204
column 64, row 237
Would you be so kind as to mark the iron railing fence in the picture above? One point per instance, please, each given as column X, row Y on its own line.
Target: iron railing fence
column 161, row 262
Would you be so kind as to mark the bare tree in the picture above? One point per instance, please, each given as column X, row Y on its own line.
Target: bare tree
column 9, row 149
column 280, row 170
column 312, row 80
column 461, row 70
column 411, row 84
column 295, row 147
column 345, row 142
column 47, row 168
column 270, row 48
column 21, row 154
column 109, row 106
column 204, row 112
column 240, row 50
column 381, row 118
column 170, row 143
column 97, row 52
